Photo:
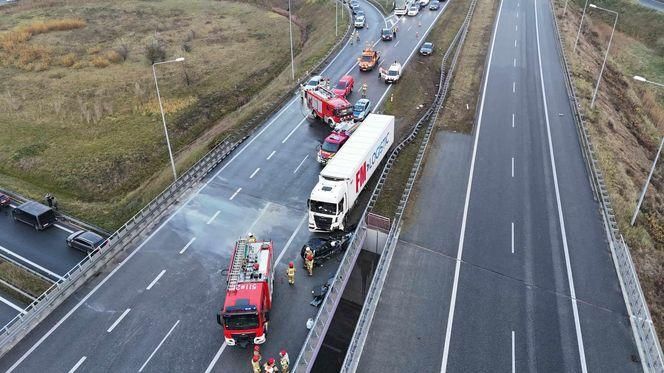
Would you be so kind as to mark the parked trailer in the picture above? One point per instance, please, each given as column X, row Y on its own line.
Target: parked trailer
column 346, row 175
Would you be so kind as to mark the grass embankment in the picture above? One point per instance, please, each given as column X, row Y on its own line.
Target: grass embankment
column 626, row 123
column 23, row 280
column 464, row 88
column 78, row 106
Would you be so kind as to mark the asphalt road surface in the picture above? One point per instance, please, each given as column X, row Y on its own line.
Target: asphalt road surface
column 262, row 189
column 527, row 283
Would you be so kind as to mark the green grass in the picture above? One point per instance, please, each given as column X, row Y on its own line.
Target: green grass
column 93, row 136
column 23, row 280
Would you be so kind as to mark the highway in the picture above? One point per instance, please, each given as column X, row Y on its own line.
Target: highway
column 503, row 263
column 156, row 310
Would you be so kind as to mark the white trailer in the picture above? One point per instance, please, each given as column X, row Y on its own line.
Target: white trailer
column 401, row 7
column 347, row 174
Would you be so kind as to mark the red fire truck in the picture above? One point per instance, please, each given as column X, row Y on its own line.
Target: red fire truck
column 246, row 311
column 327, row 106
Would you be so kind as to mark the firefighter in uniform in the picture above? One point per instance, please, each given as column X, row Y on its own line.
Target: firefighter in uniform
column 257, row 351
column 284, row 361
column 290, row 272
column 270, row 367
column 309, row 261
column 256, row 364
column 364, row 89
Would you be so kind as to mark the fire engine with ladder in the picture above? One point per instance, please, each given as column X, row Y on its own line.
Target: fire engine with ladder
column 246, row 311
column 327, row 106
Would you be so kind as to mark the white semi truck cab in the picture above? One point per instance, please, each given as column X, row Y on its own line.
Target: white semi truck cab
column 347, row 174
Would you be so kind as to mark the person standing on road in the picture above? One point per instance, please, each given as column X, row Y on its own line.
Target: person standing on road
column 394, row 32
column 309, row 261
column 49, row 199
column 290, row 272
column 364, row 89
column 270, row 367
column 357, row 37
column 284, row 360
column 55, row 202
column 256, row 364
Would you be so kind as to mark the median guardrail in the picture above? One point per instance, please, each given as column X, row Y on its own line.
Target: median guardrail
column 645, row 336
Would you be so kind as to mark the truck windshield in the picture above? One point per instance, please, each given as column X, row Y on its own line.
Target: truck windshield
column 330, row 147
column 366, row 58
column 342, row 112
column 392, row 72
column 323, row 207
column 240, row 321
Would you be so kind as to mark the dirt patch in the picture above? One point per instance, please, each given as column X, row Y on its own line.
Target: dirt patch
column 626, row 124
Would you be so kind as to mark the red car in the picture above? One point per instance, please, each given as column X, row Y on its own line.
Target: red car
column 344, row 87
column 4, row 200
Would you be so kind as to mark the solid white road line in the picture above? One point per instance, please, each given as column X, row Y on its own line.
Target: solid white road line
column 513, row 357
column 158, row 346
column 213, row 217
column 187, row 245
column 33, row 264
column 513, row 87
column 118, row 320
column 254, row 173
column 512, row 166
column 235, row 194
column 63, row 228
column 568, row 266
column 300, row 165
column 512, row 237
column 281, row 254
column 512, row 120
column 293, row 130
column 12, row 305
column 156, row 279
column 216, row 358
column 80, row 362
column 462, row 235
column 271, row 154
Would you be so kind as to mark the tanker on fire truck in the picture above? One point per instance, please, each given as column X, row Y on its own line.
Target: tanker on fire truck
column 246, row 310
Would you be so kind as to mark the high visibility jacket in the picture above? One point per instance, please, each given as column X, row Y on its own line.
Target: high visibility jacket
column 290, row 272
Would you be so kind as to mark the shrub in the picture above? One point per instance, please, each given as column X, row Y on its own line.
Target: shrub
column 68, row 60
column 99, row 61
column 155, row 52
column 11, row 39
column 42, row 27
column 113, row 56
column 94, row 50
column 122, row 50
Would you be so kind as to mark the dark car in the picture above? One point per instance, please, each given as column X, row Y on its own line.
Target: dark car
column 435, row 5
column 386, row 34
column 34, row 214
column 85, row 241
column 426, row 49
column 4, row 200
column 355, row 8
column 325, row 248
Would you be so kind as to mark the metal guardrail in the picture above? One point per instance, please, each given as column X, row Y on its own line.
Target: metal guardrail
column 643, row 328
column 114, row 244
column 363, row 325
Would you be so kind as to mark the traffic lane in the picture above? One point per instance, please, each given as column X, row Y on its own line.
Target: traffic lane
column 290, row 308
column 188, row 287
column 591, row 261
column 8, row 308
column 490, row 306
column 433, row 219
column 47, row 248
column 411, row 312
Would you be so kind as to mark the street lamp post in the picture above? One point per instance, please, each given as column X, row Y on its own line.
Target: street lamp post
column 336, row 18
column 599, row 78
column 163, row 117
column 654, row 163
column 580, row 23
column 290, row 30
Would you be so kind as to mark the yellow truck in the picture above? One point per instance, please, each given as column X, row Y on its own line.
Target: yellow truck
column 369, row 59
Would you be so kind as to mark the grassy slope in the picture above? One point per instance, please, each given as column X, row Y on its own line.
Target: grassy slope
column 98, row 170
column 626, row 124
column 417, row 87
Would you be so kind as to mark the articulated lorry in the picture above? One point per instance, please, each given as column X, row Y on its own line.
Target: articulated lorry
column 346, row 175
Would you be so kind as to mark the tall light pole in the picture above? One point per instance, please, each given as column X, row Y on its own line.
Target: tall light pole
column 654, row 163
column 336, row 18
column 599, row 78
column 290, row 29
column 163, row 117
column 580, row 23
